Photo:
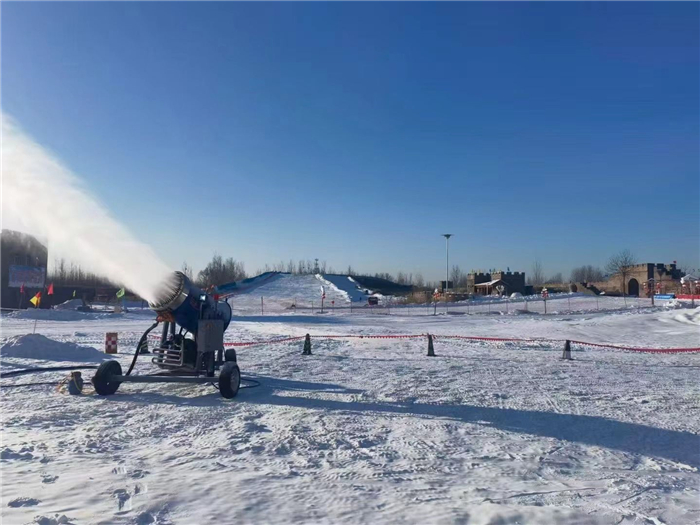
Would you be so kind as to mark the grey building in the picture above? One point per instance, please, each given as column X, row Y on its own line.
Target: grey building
column 24, row 261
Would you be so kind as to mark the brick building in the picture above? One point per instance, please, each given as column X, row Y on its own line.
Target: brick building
column 480, row 283
column 666, row 276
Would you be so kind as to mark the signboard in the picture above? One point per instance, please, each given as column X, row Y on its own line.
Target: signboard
column 29, row 276
column 664, row 296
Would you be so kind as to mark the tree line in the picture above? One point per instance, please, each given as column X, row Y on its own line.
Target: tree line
column 67, row 273
column 220, row 271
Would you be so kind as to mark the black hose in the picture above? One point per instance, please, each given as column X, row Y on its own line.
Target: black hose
column 138, row 347
column 254, row 381
column 53, row 383
column 39, row 370
column 254, row 385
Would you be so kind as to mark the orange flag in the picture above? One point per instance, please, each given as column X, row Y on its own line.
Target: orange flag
column 36, row 300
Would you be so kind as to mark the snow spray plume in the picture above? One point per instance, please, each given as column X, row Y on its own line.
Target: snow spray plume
column 44, row 198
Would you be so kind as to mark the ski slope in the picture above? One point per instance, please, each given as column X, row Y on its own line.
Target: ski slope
column 279, row 295
column 346, row 285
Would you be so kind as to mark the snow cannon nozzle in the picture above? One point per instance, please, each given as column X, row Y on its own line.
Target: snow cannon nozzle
column 187, row 304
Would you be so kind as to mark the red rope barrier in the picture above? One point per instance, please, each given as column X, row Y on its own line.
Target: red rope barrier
column 460, row 337
column 269, row 342
column 646, row 350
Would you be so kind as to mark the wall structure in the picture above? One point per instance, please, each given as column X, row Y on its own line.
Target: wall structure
column 24, row 262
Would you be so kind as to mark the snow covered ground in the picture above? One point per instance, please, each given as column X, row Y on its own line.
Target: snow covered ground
column 370, row 430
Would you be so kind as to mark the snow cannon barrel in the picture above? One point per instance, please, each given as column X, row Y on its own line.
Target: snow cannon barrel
column 178, row 297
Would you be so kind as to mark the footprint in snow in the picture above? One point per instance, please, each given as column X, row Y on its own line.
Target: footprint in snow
column 56, row 520
column 145, row 518
column 255, row 427
column 9, row 454
column 122, row 497
column 23, row 502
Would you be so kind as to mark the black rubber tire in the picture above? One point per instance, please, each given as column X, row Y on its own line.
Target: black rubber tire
column 101, row 379
column 230, row 355
column 229, row 380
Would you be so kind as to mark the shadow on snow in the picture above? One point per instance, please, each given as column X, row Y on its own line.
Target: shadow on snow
column 590, row 430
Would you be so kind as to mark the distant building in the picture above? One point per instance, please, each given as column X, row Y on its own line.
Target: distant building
column 666, row 279
column 480, row 283
column 24, row 261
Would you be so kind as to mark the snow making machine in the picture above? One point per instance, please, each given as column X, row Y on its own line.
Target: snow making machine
column 191, row 346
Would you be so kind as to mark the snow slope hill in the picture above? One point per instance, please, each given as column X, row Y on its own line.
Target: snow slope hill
column 246, row 285
column 280, row 293
column 347, row 285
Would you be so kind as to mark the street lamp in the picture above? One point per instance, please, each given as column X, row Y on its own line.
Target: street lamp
column 447, row 265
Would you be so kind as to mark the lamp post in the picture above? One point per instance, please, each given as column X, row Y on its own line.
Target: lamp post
column 447, row 266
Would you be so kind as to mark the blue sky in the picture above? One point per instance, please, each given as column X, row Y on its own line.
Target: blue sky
column 358, row 133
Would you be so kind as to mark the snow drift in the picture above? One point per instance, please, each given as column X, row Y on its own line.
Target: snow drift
column 691, row 317
column 37, row 346
column 70, row 304
column 54, row 315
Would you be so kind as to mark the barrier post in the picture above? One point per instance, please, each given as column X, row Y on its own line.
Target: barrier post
column 567, row 351
column 111, row 343
column 307, row 345
column 431, row 349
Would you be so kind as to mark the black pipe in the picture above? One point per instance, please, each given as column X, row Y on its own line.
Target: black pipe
column 141, row 342
column 41, row 369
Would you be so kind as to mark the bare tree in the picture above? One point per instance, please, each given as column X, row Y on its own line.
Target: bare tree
column 420, row 283
column 621, row 264
column 458, row 278
column 537, row 275
column 219, row 272
column 686, row 269
column 455, row 276
column 586, row 274
column 63, row 275
column 556, row 278
column 187, row 270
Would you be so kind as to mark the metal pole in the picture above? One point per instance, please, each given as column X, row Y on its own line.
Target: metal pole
column 447, row 267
